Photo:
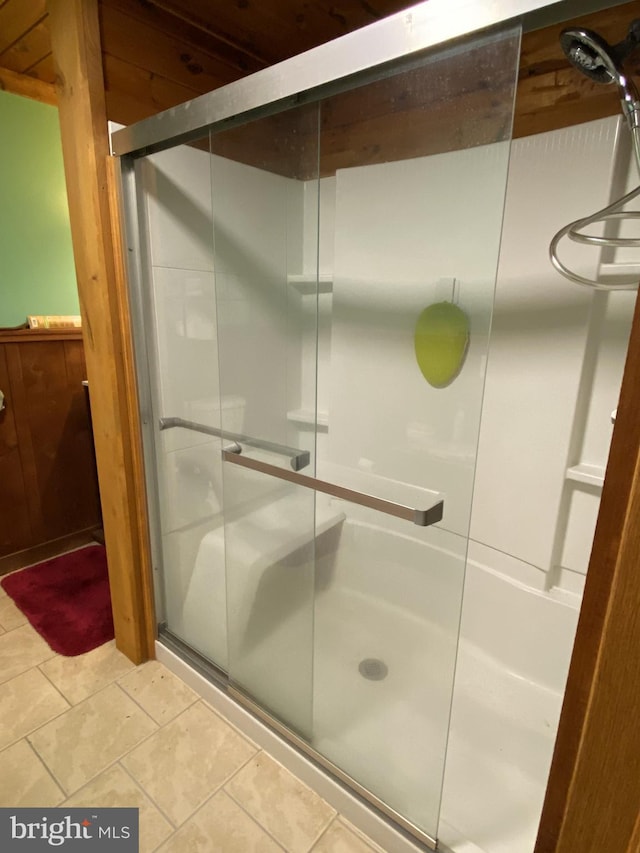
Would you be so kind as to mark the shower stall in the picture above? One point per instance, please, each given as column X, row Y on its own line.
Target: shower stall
column 313, row 255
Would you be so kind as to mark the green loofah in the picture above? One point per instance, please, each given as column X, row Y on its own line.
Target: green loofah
column 441, row 341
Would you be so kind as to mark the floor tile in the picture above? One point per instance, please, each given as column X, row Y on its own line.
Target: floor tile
column 339, row 838
column 220, row 826
column 83, row 675
column 24, row 780
column 20, row 650
column 293, row 813
column 115, row 788
column 10, row 614
column 27, row 702
column 86, row 739
column 162, row 695
column 186, row 760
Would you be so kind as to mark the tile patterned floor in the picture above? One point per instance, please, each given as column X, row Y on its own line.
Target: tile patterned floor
column 95, row 730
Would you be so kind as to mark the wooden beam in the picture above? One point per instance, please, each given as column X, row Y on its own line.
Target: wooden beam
column 28, row 87
column 75, row 37
column 593, row 796
column 134, row 460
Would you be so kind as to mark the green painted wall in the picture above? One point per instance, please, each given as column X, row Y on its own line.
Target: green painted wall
column 37, row 274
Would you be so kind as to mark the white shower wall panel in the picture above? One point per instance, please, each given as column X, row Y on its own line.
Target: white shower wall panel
column 538, row 342
column 609, row 354
column 258, row 218
column 178, row 192
column 400, row 230
column 318, row 253
column 177, row 206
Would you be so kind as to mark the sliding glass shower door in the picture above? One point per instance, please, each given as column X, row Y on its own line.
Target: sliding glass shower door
column 264, row 178
column 315, row 282
column 356, row 242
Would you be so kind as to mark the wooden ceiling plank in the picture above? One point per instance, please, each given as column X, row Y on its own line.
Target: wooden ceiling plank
column 28, row 87
column 44, row 69
column 133, row 94
column 199, row 34
column 28, row 50
column 16, row 18
column 128, row 39
column 277, row 30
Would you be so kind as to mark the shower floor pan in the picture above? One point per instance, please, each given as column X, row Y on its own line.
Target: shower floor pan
column 385, row 733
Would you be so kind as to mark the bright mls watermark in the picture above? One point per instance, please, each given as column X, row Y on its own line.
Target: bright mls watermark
column 73, row 830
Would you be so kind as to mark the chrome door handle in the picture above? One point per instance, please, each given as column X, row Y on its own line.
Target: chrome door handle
column 299, row 458
column 421, row 517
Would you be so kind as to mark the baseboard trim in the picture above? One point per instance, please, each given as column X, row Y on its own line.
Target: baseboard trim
column 47, row 550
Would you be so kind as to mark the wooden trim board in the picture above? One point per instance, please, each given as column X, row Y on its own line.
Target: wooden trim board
column 47, row 550
column 28, row 87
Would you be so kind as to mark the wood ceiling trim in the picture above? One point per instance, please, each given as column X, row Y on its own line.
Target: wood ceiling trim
column 28, row 87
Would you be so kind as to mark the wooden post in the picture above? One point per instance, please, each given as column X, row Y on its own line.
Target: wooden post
column 75, row 39
column 593, row 795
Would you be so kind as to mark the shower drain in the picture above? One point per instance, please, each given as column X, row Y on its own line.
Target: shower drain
column 373, row 669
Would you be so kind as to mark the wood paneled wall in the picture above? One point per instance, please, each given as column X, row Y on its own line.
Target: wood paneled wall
column 48, row 483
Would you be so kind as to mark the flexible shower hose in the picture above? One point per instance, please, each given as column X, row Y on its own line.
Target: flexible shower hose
column 612, row 212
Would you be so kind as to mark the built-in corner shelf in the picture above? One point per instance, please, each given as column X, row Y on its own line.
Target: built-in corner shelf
column 590, row 475
column 612, row 273
column 307, row 283
column 307, row 418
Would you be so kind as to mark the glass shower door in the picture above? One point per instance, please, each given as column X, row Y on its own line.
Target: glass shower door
column 264, row 178
column 356, row 243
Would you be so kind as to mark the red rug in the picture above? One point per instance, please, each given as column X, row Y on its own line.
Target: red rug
column 66, row 599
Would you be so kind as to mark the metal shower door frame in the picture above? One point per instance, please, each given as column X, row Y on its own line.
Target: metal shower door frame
column 314, row 73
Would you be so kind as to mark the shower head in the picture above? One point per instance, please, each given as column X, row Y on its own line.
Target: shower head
column 590, row 53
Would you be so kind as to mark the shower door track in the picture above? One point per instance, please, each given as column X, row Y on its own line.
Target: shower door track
column 220, row 679
column 295, row 740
